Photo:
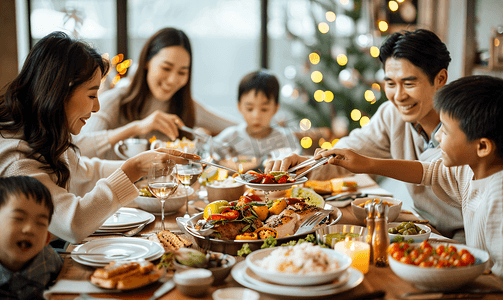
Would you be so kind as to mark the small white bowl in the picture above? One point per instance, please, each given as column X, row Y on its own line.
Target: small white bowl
column 297, row 279
column 441, row 279
column 193, row 282
column 228, row 193
column 235, row 293
column 416, row 237
column 171, row 205
column 393, row 212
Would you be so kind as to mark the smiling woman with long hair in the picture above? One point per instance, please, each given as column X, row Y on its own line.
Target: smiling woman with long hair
column 49, row 101
column 157, row 102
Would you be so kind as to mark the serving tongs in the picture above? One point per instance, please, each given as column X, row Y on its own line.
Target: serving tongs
column 244, row 177
column 202, row 136
column 316, row 163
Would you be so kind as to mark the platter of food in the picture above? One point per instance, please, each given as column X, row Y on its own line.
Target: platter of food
column 271, row 186
column 234, row 224
column 126, row 275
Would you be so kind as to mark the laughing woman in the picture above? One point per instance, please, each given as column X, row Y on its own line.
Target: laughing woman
column 157, row 102
column 49, row 101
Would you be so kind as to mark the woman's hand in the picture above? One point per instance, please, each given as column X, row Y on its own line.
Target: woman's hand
column 285, row 164
column 166, row 123
column 137, row 166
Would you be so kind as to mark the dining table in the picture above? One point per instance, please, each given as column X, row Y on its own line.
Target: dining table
column 378, row 283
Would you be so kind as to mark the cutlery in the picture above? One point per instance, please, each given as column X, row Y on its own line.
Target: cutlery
column 354, row 195
column 123, row 255
column 312, row 221
column 132, row 233
column 166, row 287
column 204, row 137
column 244, row 177
column 318, row 164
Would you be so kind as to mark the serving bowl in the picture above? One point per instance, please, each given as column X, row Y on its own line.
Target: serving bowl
column 225, row 192
column 252, row 261
column 219, row 273
column 416, row 237
column 441, row 279
column 171, row 205
column 393, row 212
column 339, row 228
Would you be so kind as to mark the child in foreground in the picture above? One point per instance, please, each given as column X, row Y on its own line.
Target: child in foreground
column 27, row 263
column 258, row 102
column 471, row 167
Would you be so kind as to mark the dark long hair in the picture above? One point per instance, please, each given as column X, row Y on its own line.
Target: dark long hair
column 181, row 103
column 34, row 101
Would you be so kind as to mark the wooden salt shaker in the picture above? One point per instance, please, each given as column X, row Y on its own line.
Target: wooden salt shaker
column 380, row 238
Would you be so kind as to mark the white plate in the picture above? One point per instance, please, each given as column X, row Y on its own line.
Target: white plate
column 101, row 265
column 271, row 187
column 137, row 248
column 257, row 280
column 126, row 216
column 239, row 271
column 123, row 228
column 295, row 279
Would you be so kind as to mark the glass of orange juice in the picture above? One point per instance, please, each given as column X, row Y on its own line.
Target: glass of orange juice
column 358, row 250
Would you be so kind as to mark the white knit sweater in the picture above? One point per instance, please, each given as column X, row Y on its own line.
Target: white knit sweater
column 482, row 203
column 97, row 188
column 388, row 136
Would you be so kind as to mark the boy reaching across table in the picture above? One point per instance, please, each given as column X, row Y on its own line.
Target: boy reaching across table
column 471, row 168
column 258, row 102
column 27, row 262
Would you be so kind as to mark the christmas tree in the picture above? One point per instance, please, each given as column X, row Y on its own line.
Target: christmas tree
column 338, row 87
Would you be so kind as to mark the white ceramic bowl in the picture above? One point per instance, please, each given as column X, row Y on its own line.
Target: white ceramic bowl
column 235, row 293
column 171, row 205
column 416, row 237
column 228, row 193
column 441, row 279
column 297, row 279
column 394, row 210
column 340, row 228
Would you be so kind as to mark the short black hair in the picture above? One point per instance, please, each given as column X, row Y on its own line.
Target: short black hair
column 477, row 103
column 260, row 81
column 28, row 186
column 421, row 47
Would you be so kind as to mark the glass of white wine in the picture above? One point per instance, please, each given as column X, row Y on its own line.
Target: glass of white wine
column 188, row 175
column 162, row 182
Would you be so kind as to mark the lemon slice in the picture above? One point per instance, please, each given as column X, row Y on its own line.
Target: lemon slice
column 209, row 174
column 215, row 207
column 309, row 196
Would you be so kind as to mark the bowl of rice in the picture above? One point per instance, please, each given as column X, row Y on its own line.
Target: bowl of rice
column 226, row 189
column 302, row 264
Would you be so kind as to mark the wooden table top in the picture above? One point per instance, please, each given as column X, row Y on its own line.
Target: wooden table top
column 376, row 280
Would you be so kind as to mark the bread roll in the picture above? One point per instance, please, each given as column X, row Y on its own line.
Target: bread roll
column 125, row 275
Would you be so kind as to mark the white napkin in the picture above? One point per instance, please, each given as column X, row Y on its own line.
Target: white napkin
column 65, row 286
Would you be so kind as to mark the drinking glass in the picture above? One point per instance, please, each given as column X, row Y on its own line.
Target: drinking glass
column 187, row 175
column 358, row 250
column 162, row 182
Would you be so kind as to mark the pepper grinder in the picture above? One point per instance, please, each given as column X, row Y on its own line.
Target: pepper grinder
column 380, row 239
column 370, row 211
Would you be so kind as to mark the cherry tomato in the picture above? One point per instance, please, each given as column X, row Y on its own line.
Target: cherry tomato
column 283, row 179
column 422, row 257
column 440, row 249
column 393, row 248
column 451, row 249
column 414, row 254
column 404, row 246
column 424, row 244
column 268, row 179
column 406, row 260
column 468, row 258
column 397, row 255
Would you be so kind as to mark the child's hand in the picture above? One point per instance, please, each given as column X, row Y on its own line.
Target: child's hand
column 347, row 159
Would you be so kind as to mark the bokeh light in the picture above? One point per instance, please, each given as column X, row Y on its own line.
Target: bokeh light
column 383, row 26
column 330, row 15
column 321, row 141
column 356, row 115
column 364, row 121
column 369, row 96
column 374, row 51
column 393, row 6
column 342, row 59
column 335, row 142
column 329, row 96
column 314, row 58
column 323, row 27
column 306, row 142
column 316, row 76
column 399, row 1
column 319, row 96
column 326, row 145
column 496, row 42
column 344, row 2
column 376, row 86
column 305, row 124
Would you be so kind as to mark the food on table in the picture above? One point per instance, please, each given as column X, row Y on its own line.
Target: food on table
column 265, row 232
column 406, row 228
column 214, row 208
column 241, row 219
column 336, row 237
column 425, row 255
column 375, row 200
column 309, row 196
column 125, row 275
column 300, row 259
column 191, row 258
column 227, row 182
column 275, row 177
column 169, row 240
column 333, row 186
column 319, row 186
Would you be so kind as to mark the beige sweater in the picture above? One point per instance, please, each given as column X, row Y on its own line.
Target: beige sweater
column 97, row 188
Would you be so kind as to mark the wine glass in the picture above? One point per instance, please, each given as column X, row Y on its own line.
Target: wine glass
column 162, row 182
column 187, row 175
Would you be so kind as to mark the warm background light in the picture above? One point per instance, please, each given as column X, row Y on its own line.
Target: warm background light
column 306, row 142
column 369, row 96
column 323, row 27
column 374, row 51
column 393, row 6
column 316, row 76
column 329, row 96
column 319, row 96
column 342, row 59
column 376, row 86
column 330, row 15
column 314, row 58
column 364, row 120
column 383, row 26
column 356, row 115
column 305, row 124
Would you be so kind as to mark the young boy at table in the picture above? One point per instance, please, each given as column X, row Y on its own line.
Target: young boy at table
column 258, row 102
column 471, row 168
column 27, row 263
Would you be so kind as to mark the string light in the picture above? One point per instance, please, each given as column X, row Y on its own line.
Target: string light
column 364, row 121
column 314, row 58
column 306, row 142
column 323, row 27
column 329, row 96
column 326, row 145
column 342, row 59
column 374, row 51
column 496, row 42
column 376, row 86
column 355, row 115
column 393, row 6
column 335, row 142
column 383, row 26
column 316, row 76
column 330, row 15
column 369, row 96
column 319, row 96
column 305, row 124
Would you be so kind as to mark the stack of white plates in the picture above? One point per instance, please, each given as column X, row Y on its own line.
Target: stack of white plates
column 126, row 248
column 124, row 220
